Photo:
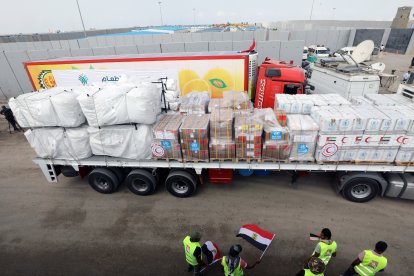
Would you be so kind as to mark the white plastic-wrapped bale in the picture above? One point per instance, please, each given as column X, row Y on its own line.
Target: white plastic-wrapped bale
column 122, row 104
column 60, row 143
column 125, row 141
column 47, row 108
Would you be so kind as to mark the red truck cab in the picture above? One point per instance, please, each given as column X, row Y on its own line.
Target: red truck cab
column 277, row 77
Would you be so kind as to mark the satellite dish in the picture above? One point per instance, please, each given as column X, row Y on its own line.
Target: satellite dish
column 379, row 66
column 363, row 51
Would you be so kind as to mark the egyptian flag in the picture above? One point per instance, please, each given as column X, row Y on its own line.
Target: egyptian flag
column 314, row 237
column 256, row 236
column 211, row 251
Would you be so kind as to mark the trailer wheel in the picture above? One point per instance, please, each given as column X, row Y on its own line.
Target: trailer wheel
column 181, row 183
column 103, row 180
column 360, row 190
column 119, row 173
column 141, row 182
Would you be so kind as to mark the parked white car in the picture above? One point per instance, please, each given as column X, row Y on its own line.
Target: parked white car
column 320, row 51
column 305, row 53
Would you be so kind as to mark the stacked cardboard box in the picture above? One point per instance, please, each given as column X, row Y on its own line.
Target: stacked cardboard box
column 239, row 102
column 280, row 116
column 276, row 144
column 194, row 137
column 194, row 103
column 303, row 134
column 166, row 143
column 248, row 132
column 222, row 145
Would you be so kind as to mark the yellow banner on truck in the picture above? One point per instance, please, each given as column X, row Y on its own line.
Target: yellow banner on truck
column 215, row 72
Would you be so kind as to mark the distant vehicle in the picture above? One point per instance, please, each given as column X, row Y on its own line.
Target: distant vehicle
column 305, row 53
column 319, row 51
column 344, row 51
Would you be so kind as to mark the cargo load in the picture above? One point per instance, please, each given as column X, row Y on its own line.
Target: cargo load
column 239, row 102
column 194, row 103
column 303, row 134
column 124, row 141
column 166, row 143
column 276, row 143
column 122, row 104
column 47, row 108
column 60, row 143
column 222, row 145
column 194, row 137
column 248, row 134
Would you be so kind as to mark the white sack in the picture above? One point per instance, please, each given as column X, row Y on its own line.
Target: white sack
column 60, row 143
column 53, row 107
column 122, row 104
column 125, row 141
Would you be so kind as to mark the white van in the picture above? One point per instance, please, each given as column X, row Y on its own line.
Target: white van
column 305, row 53
column 320, row 51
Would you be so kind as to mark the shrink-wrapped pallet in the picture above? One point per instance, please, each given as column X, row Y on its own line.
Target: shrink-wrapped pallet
column 124, row 141
column 280, row 116
column 276, row 144
column 166, row 143
column 248, row 134
column 122, row 104
column 239, row 102
column 303, row 134
column 222, row 145
column 52, row 107
column 60, row 143
column 194, row 103
column 194, row 137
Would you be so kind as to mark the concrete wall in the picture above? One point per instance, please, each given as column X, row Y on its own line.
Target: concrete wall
column 372, row 34
column 398, row 40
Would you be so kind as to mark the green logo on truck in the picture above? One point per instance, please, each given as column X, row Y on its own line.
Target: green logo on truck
column 218, row 83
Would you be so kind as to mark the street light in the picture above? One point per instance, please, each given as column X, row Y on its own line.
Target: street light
column 333, row 13
column 310, row 17
column 80, row 14
column 159, row 3
column 194, row 14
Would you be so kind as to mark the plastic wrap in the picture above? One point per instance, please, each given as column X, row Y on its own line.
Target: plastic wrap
column 222, row 150
column 194, row 103
column 121, row 104
column 248, row 134
column 221, row 125
column 52, row 107
column 239, row 102
column 125, row 141
column 280, row 116
column 60, row 143
column 303, row 134
column 194, row 137
column 166, row 143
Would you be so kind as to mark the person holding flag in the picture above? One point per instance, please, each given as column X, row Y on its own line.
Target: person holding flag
column 232, row 264
column 193, row 254
column 326, row 248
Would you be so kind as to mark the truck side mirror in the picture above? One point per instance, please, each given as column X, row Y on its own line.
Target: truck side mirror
column 273, row 72
column 312, row 87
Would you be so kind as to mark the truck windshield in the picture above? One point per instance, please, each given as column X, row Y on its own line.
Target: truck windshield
column 323, row 52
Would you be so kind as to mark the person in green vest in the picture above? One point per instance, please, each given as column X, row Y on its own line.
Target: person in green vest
column 232, row 264
column 369, row 262
column 326, row 247
column 192, row 250
column 314, row 267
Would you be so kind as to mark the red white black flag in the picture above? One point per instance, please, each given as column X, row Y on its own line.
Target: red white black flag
column 211, row 251
column 258, row 237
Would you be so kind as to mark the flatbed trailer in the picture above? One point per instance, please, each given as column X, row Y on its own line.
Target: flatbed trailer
column 356, row 182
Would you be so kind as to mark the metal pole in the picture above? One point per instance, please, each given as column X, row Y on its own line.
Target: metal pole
column 162, row 23
column 80, row 14
column 194, row 14
column 310, row 17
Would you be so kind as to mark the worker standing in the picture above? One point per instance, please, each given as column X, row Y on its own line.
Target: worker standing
column 369, row 262
column 232, row 264
column 8, row 114
column 314, row 267
column 192, row 251
column 326, row 248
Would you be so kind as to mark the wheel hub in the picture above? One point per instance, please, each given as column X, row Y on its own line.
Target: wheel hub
column 361, row 191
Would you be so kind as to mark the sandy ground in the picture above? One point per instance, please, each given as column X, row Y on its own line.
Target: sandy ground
column 69, row 229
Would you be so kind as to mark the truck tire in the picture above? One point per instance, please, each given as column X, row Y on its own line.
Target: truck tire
column 103, row 180
column 141, row 182
column 181, row 183
column 360, row 190
column 119, row 173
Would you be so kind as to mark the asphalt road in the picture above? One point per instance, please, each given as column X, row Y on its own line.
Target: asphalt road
column 69, row 229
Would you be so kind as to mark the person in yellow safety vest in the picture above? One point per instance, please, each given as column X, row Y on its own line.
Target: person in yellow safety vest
column 192, row 250
column 369, row 262
column 326, row 248
column 232, row 264
column 314, row 267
